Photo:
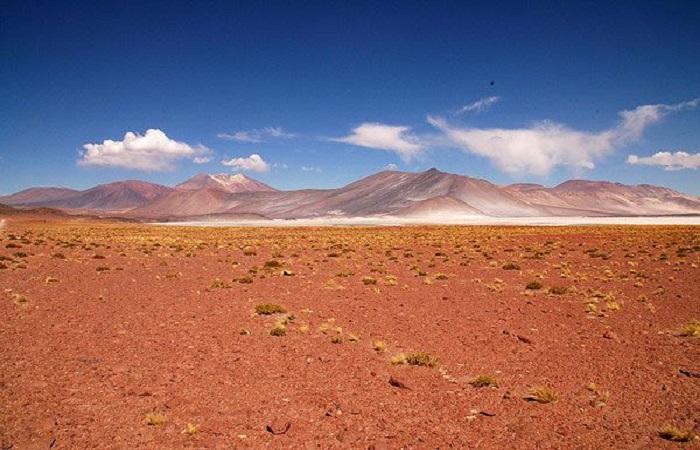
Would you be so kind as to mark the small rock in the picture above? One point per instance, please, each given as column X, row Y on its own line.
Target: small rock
column 524, row 339
column 278, row 428
column 397, row 383
column 611, row 335
column 689, row 373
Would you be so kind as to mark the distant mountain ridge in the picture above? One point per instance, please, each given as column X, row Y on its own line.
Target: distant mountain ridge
column 427, row 194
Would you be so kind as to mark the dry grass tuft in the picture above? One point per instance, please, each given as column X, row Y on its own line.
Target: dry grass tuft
column 484, row 381
column 398, row 359
column 692, row 329
column 558, row 290
column 280, row 329
column 533, row 285
column 155, row 419
column 379, row 346
column 369, row 280
column 671, row 433
column 542, row 394
column 191, row 428
column 421, row 359
column 267, row 309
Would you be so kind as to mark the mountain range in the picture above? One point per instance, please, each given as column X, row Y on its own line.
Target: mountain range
column 428, row 194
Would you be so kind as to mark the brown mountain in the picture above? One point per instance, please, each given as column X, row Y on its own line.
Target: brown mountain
column 390, row 193
column 115, row 197
column 37, row 195
column 603, row 198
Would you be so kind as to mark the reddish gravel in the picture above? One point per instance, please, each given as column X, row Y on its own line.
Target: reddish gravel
column 104, row 324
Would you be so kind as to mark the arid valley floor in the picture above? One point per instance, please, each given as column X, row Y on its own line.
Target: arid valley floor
column 130, row 336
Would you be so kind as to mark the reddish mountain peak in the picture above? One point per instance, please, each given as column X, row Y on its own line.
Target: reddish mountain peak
column 585, row 184
column 143, row 189
column 224, row 182
column 38, row 195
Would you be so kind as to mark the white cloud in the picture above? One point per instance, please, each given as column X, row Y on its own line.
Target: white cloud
column 310, row 169
column 479, row 105
column 396, row 139
column 153, row 151
column 669, row 161
column 257, row 135
column 391, row 166
column 201, row 159
column 545, row 145
column 253, row 163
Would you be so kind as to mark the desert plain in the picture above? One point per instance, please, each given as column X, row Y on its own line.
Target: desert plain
column 121, row 335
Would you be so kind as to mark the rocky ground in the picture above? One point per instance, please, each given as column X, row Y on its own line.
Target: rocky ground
column 128, row 336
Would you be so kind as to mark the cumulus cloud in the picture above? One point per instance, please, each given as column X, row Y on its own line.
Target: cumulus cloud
column 545, row 145
column 479, row 105
column 397, row 139
column 153, row 151
column 669, row 161
column 391, row 166
column 253, row 163
column 257, row 135
column 310, row 169
column 201, row 159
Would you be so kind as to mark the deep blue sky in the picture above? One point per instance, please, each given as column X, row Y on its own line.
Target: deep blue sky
column 73, row 73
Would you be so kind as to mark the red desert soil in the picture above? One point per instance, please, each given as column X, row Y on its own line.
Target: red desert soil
column 128, row 336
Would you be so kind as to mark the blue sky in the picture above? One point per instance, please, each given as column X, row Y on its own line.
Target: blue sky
column 328, row 92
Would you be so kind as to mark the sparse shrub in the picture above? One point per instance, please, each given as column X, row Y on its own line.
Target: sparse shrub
column 368, row 281
column 612, row 305
column 421, row 359
column 155, row 419
column 191, row 429
column 272, row 264
column 534, row 285
column 484, row 381
column 219, row 284
column 399, row 358
column 510, row 266
column 542, row 394
column 245, row 280
column 692, row 329
column 19, row 299
column 337, row 339
column 558, row 290
column 267, row 309
column 671, row 433
column 280, row 329
column 440, row 276
column 379, row 346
